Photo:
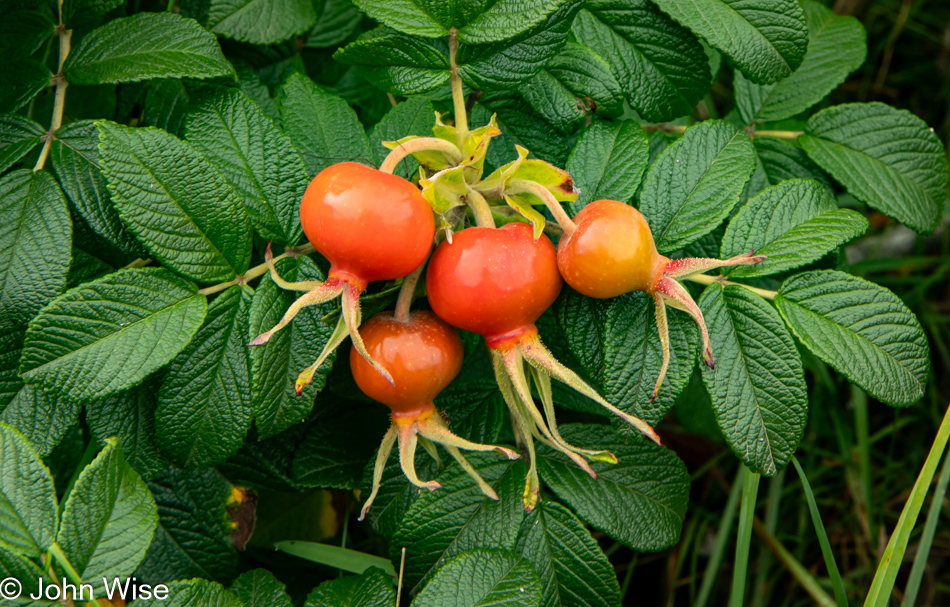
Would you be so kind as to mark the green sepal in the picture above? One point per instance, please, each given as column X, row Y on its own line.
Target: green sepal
column 493, row 186
column 445, row 189
column 553, row 179
column 522, row 203
column 474, row 147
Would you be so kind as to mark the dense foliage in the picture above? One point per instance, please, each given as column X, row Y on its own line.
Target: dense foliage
column 153, row 156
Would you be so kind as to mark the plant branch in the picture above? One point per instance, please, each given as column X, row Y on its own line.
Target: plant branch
column 518, row 186
column 59, row 100
column 420, row 144
column 481, row 210
column 256, row 271
column 458, row 95
column 706, row 279
column 60, row 558
column 666, row 127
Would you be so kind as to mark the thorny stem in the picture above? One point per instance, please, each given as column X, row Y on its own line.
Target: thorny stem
column 481, row 210
column 421, row 144
column 59, row 101
column 255, row 272
column 408, row 290
column 458, row 96
column 706, row 279
column 517, row 186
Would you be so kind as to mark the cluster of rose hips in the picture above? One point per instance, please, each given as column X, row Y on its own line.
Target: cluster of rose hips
column 496, row 282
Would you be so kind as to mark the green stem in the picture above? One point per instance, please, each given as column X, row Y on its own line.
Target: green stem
column 408, row 290
column 706, row 279
column 59, row 99
column 780, row 134
column 458, row 95
column 628, row 577
column 481, row 210
column 60, row 557
column 750, row 489
column 518, row 186
column 256, row 271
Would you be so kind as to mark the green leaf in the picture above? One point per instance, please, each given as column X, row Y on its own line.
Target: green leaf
column 371, row 589
column 783, row 160
column 254, row 157
column 28, row 512
column 109, row 518
column 836, row 47
column 129, row 417
column 861, row 329
column 336, row 449
column 175, row 203
column 573, row 83
column 14, row 565
column 193, row 593
column 83, row 13
column 442, row 524
column 336, row 21
column 608, row 161
column 504, row 65
column 260, row 21
column 475, row 409
column 640, row 501
column 695, row 183
column 478, row 21
column 758, row 385
column 204, row 405
column 22, row 31
column 661, row 66
column 11, row 345
column 75, row 157
column 144, row 46
column 166, row 105
column 572, row 567
column 191, row 539
column 397, row 63
column 488, row 577
column 43, row 420
column 322, row 127
column 522, row 126
column 20, row 81
column 259, row 588
column 35, row 243
column 792, row 224
column 107, row 335
column 887, row 158
column 618, row 346
column 766, row 39
column 18, row 137
column 414, row 116
column 276, row 365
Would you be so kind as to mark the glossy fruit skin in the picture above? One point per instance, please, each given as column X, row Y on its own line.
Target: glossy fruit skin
column 493, row 281
column 423, row 354
column 611, row 252
column 370, row 225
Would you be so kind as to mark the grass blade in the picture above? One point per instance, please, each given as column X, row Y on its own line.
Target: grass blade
column 841, row 596
column 927, row 538
column 890, row 564
column 806, row 579
column 711, row 575
column 750, row 490
column 334, row 556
